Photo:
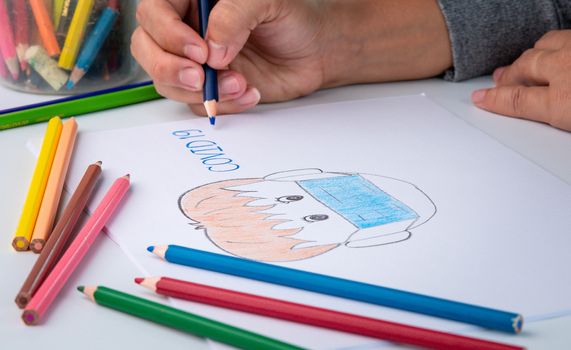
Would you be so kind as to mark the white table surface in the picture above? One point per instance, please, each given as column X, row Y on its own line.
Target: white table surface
column 74, row 322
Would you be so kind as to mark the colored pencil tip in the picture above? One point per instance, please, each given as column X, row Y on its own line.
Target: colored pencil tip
column 151, row 248
column 138, row 280
column 212, row 120
column 80, row 288
column 69, row 85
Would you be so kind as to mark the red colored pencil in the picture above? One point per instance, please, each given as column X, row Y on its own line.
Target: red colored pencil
column 315, row 316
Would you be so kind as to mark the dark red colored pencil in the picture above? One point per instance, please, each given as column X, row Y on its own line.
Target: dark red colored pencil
column 345, row 322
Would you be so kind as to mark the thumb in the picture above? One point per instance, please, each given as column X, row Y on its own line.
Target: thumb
column 229, row 27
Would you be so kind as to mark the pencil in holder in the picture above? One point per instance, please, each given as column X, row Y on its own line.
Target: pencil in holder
column 66, row 46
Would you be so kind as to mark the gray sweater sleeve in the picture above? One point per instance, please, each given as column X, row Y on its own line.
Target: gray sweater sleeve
column 486, row 34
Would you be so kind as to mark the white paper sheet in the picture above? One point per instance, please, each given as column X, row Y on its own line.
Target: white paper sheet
column 462, row 217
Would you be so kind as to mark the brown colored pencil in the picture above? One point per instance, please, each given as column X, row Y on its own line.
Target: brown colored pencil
column 60, row 236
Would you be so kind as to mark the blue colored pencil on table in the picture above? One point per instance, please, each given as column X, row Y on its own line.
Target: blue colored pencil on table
column 210, row 91
column 93, row 45
column 339, row 287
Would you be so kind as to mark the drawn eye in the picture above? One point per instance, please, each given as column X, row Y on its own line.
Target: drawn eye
column 288, row 199
column 315, row 217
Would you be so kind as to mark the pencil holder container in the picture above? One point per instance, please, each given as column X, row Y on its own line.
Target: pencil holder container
column 66, row 46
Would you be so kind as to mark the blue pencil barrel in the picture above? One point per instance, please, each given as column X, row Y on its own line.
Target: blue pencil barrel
column 210, row 84
column 97, row 38
column 368, row 293
column 210, row 91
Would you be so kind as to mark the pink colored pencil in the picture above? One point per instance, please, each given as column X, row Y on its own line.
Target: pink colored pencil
column 57, row 278
column 21, row 31
column 7, row 47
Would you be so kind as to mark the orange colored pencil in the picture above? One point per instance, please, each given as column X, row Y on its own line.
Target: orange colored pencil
column 45, row 27
column 50, row 202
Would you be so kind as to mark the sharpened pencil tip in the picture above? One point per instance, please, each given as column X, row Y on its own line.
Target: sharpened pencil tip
column 151, row 248
column 139, row 280
column 212, row 120
column 69, row 85
column 81, row 288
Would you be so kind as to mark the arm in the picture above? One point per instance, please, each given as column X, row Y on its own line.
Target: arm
column 384, row 40
column 486, row 34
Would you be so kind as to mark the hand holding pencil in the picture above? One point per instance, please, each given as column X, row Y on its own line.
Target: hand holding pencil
column 173, row 53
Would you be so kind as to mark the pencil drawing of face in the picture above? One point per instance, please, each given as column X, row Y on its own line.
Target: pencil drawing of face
column 298, row 214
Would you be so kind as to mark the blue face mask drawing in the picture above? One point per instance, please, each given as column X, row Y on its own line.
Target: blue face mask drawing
column 358, row 200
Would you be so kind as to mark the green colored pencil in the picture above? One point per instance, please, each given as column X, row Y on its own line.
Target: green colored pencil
column 181, row 320
column 78, row 105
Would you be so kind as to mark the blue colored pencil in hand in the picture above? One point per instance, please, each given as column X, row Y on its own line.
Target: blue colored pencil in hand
column 210, row 91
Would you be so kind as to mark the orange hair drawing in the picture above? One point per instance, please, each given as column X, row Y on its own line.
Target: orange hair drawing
column 240, row 228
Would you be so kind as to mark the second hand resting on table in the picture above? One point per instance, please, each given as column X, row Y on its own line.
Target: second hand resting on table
column 277, row 50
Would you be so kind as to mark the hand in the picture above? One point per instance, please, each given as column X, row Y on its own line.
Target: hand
column 276, row 50
column 268, row 46
column 537, row 86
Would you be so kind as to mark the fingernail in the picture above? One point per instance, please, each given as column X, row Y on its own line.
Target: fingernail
column 190, row 77
column 479, row 95
column 216, row 52
column 250, row 97
column 229, row 85
column 195, row 53
column 498, row 73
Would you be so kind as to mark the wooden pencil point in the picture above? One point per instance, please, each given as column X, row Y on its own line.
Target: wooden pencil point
column 211, row 110
column 81, row 288
column 150, row 283
column 37, row 245
column 159, row 250
column 20, row 244
column 22, row 299
column 518, row 324
column 30, row 317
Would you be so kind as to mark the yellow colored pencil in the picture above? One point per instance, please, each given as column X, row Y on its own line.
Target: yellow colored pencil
column 58, row 8
column 52, row 195
column 37, row 188
column 75, row 34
